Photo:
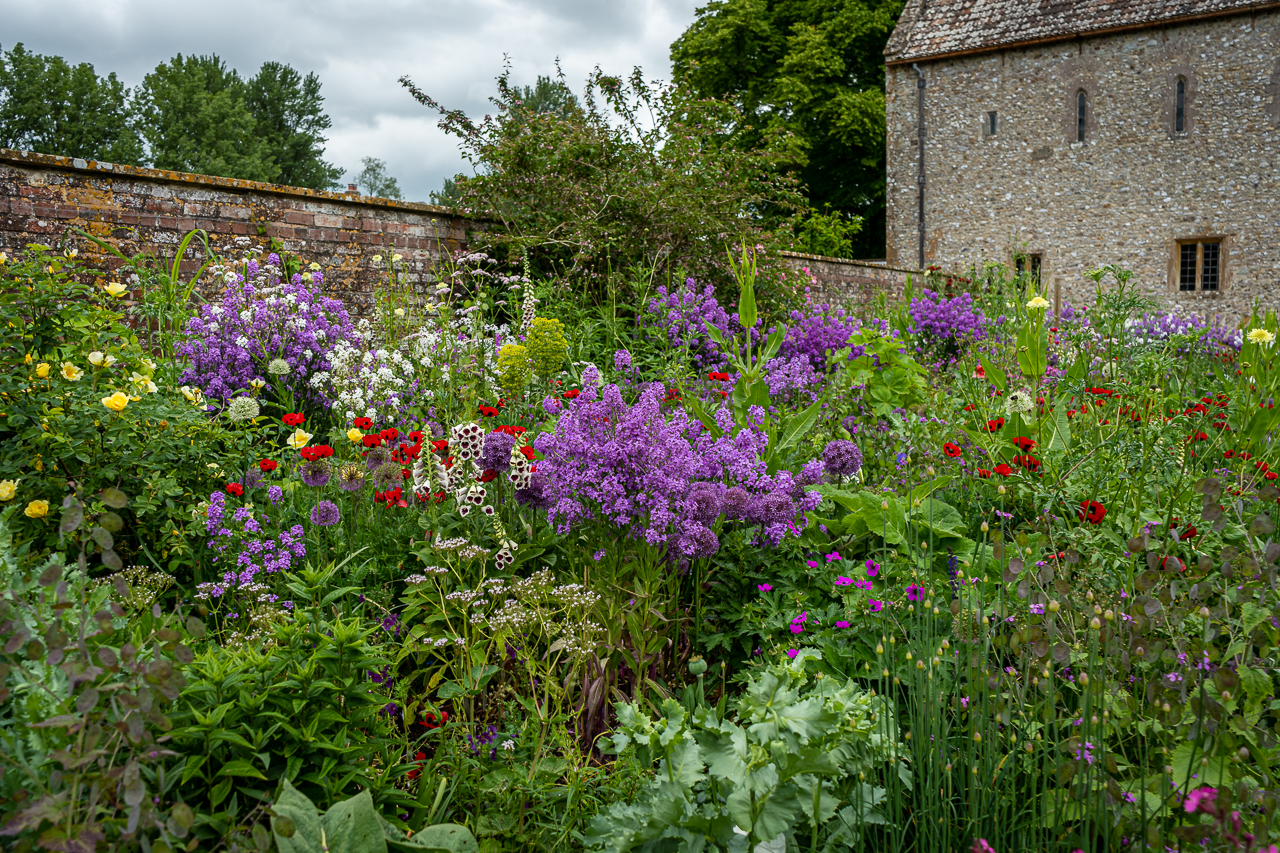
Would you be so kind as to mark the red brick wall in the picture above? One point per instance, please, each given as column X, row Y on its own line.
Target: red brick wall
column 42, row 197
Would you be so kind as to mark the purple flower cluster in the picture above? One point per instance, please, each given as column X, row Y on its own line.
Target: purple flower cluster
column 259, row 318
column 819, row 328
column 683, row 317
column 953, row 321
column 1158, row 328
column 249, row 550
column 793, row 378
column 662, row 476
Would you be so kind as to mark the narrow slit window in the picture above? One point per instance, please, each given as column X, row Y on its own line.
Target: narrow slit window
column 1081, row 113
column 1030, row 265
column 1179, row 116
column 1209, row 266
column 991, row 124
column 1187, row 267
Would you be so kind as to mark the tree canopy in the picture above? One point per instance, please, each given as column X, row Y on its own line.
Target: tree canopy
column 814, row 68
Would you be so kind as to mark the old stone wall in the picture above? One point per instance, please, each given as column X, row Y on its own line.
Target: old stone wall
column 852, row 284
column 1133, row 192
column 150, row 210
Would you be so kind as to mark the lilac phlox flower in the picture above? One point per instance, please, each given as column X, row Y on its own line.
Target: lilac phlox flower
column 765, row 587
column 915, row 592
column 964, row 702
column 598, row 556
column 621, row 360
column 1037, row 609
column 275, row 493
column 1085, row 753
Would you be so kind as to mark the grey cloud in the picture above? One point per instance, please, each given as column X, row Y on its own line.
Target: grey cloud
column 452, row 49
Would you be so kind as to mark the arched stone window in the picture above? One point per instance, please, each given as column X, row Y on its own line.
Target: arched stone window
column 1082, row 114
column 1180, row 106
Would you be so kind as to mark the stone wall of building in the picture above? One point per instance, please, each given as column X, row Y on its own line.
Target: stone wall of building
column 44, row 198
column 1133, row 192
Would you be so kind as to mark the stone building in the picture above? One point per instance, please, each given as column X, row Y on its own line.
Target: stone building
column 1062, row 135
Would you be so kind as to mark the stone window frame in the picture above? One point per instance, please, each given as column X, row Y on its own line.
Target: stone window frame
column 987, row 116
column 1190, row 114
column 1224, row 262
column 1070, row 124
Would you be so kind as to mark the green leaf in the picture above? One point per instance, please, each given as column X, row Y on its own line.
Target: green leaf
column 440, row 838
column 994, row 374
column 240, row 767
column 797, row 427
column 114, row 498
column 303, row 818
column 352, row 826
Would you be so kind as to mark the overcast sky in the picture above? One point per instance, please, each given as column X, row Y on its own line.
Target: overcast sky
column 452, row 49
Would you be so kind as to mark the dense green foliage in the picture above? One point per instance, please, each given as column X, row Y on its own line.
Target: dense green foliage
column 815, row 69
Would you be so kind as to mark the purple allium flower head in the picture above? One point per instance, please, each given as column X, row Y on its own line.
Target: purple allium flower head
column 698, row 541
column 496, row 454
column 842, row 458
column 325, row 514
column 812, row 472
column 315, row 472
column 737, row 502
column 704, row 502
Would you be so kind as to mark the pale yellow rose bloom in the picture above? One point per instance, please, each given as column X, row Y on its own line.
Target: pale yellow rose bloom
column 70, row 372
column 8, row 489
column 37, row 509
column 116, row 402
column 42, row 370
column 115, row 288
column 299, row 439
column 193, row 395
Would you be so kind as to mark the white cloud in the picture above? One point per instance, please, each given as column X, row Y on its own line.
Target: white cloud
column 451, row 49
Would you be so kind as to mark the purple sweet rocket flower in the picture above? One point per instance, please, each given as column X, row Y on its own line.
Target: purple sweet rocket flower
column 260, row 318
column 621, row 360
column 681, row 318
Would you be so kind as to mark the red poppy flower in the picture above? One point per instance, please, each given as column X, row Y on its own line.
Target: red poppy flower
column 440, row 444
column 984, row 473
column 488, row 411
column 513, row 431
column 363, row 423
column 1270, row 475
column 416, row 435
column 571, row 394
column 389, row 434
column 951, row 449
column 488, row 476
column 979, row 372
column 528, row 452
column 992, row 426
column 294, row 419
column 308, row 453
column 1244, row 454
column 1228, row 454
column 1189, row 533
column 1261, row 466
column 718, row 377
column 267, row 465
column 1003, row 470
column 235, row 489
column 1023, row 443
column 970, row 407
column 672, row 394
column 1092, row 512
column 371, row 440
column 1026, row 461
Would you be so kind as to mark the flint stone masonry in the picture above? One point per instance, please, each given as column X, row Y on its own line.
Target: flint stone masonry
column 843, row 282
column 1133, row 191
column 139, row 210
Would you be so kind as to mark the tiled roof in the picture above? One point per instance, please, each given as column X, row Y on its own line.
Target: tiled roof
column 929, row 28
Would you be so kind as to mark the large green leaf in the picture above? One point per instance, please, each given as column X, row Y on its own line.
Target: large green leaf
column 352, row 826
column 296, row 823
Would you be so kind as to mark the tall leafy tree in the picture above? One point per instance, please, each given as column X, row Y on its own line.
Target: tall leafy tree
column 374, row 180
column 195, row 118
column 814, row 68
column 289, row 115
column 51, row 106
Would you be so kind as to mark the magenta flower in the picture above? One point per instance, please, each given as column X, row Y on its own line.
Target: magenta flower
column 791, row 653
column 797, row 628
column 915, row 592
column 873, row 568
column 841, row 580
column 803, row 617
column 765, row 587
column 864, row 585
column 842, row 624
column 1200, row 797
column 876, row 606
column 813, row 564
column 833, row 556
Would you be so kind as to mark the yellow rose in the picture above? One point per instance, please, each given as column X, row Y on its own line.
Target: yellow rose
column 193, row 395
column 3, row 258
column 354, row 435
column 70, row 372
column 299, row 439
column 143, row 382
column 149, row 365
column 42, row 370
column 97, row 359
column 115, row 288
column 8, row 489
column 26, row 358
column 37, row 509
column 116, row 402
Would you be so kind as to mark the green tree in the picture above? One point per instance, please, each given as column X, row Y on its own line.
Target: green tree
column 50, row 106
column 449, row 195
column 546, row 96
column 814, row 68
column 374, row 180
column 195, row 118
column 287, row 108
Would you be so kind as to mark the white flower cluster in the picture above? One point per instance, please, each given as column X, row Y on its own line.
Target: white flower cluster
column 466, row 440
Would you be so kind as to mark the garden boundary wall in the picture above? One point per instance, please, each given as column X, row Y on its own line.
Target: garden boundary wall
column 136, row 209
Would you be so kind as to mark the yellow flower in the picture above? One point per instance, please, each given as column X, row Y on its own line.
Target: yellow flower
column 37, row 509
column 354, row 435
column 70, row 372
column 8, row 489
column 1038, row 303
column 299, row 439
column 1261, row 336
column 377, row 259
column 149, row 365
column 313, row 266
column 396, row 257
column 97, row 359
column 193, row 395
column 256, row 384
column 116, row 402
column 143, row 382
column 3, row 258
column 26, row 358
column 399, row 312
column 73, row 253
column 42, row 370
column 115, row 288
